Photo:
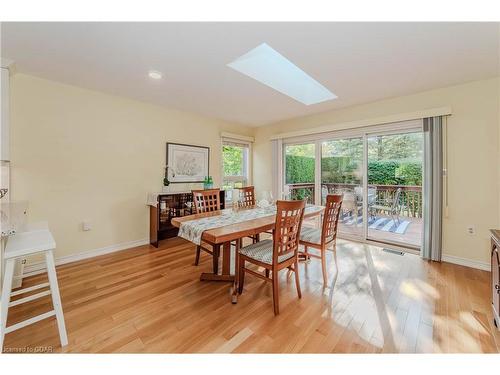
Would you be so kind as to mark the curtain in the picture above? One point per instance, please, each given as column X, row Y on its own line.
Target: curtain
column 276, row 169
column 433, row 188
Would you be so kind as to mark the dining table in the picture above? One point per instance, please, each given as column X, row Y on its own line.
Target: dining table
column 225, row 228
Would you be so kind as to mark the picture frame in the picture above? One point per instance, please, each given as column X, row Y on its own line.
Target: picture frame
column 187, row 163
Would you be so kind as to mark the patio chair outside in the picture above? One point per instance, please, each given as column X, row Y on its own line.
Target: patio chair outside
column 392, row 208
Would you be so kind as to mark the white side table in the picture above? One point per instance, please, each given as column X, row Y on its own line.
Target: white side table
column 19, row 246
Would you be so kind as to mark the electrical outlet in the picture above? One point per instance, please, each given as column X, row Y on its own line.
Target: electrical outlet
column 471, row 230
column 86, row 226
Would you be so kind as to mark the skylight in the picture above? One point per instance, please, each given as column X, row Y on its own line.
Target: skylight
column 269, row 67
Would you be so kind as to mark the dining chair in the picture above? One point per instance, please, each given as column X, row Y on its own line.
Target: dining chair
column 207, row 201
column 321, row 239
column 247, row 199
column 247, row 196
column 277, row 254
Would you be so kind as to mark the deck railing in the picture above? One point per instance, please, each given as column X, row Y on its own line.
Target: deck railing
column 410, row 200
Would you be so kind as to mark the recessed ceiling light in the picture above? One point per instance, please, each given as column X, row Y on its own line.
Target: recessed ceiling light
column 154, row 74
column 272, row 69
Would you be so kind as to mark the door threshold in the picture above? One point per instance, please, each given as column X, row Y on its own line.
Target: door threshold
column 399, row 247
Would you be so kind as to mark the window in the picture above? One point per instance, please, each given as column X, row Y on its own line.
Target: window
column 235, row 165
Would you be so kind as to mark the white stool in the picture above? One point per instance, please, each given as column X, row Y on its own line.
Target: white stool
column 19, row 246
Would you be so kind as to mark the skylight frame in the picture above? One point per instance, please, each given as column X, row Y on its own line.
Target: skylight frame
column 269, row 67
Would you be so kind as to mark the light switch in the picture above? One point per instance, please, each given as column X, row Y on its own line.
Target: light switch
column 86, row 226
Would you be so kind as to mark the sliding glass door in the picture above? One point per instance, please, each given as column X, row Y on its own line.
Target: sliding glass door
column 379, row 173
column 342, row 173
column 395, row 166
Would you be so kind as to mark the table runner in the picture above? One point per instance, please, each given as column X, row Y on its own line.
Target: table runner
column 192, row 230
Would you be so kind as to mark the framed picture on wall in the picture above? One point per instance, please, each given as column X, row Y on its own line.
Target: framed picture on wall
column 187, row 163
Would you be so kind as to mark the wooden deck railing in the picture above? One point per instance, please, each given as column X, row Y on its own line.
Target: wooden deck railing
column 410, row 198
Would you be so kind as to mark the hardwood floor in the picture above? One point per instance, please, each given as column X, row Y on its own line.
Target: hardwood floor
column 151, row 300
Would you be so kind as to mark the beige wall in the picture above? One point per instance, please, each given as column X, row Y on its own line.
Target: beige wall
column 83, row 155
column 473, row 160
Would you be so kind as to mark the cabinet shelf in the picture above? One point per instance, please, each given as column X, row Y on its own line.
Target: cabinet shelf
column 170, row 205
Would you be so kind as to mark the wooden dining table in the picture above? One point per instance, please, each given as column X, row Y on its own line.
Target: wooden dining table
column 222, row 237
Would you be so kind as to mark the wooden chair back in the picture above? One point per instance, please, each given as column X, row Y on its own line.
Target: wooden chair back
column 331, row 218
column 206, row 200
column 247, row 196
column 289, row 215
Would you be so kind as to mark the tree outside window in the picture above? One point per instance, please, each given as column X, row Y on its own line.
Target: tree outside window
column 234, row 166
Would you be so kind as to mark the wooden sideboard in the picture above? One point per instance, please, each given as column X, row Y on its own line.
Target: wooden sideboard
column 168, row 206
column 495, row 275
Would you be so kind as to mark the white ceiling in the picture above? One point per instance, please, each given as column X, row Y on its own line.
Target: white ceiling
column 360, row 62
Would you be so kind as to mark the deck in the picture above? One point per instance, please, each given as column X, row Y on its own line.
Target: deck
column 379, row 227
column 412, row 236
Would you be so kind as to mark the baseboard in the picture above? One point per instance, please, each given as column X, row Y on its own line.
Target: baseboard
column 466, row 262
column 39, row 267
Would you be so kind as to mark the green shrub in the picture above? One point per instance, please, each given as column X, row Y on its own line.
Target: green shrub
column 340, row 169
column 395, row 172
column 299, row 169
column 410, row 172
column 344, row 170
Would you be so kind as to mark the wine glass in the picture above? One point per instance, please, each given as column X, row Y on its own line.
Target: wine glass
column 266, row 200
column 272, row 200
column 236, row 198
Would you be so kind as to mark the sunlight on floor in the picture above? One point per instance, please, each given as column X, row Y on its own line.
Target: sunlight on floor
column 387, row 310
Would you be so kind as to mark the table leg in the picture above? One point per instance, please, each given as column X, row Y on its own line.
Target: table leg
column 216, row 254
column 226, row 258
column 234, row 292
column 226, row 267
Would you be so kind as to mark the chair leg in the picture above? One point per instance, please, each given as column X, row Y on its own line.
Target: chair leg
column 267, row 272
column 306, row 253
column 257, row 238
column 276, row 303
column 6, row 290
column 297, row 281
column 197, row 259
column 323, row 267
column 56, row 298
column 241, row 274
